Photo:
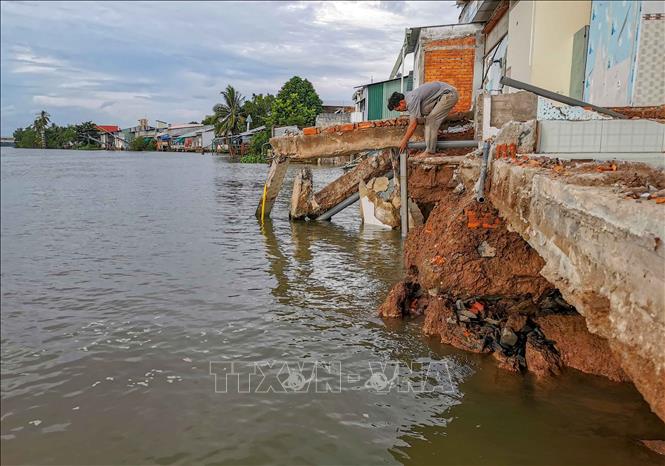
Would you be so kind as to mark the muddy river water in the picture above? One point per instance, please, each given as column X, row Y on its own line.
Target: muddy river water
column 131, row 282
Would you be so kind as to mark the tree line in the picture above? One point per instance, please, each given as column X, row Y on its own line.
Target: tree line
column 47, row 135
column 297, row 103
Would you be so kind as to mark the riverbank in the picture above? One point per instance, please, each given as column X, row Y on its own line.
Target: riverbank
column 479, row 286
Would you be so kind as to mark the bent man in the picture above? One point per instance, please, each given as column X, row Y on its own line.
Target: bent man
column 433, row 101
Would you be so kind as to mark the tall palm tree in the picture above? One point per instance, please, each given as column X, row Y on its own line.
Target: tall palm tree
column 229, row 114
column 40, row 124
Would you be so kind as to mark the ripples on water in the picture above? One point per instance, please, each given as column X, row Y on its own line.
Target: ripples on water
column 125, row 275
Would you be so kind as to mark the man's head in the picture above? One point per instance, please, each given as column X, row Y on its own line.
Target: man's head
column 397, row 102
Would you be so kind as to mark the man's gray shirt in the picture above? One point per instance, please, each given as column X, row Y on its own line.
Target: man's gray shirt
column 421, row 100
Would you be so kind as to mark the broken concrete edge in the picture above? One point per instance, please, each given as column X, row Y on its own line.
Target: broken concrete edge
column 350, row 138
column 399, row 121
column 380, row 204
column 305, row 204
column 586, row 242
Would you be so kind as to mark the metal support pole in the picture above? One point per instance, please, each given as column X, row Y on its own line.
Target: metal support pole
column 404, row 193
column 558, row 97
column 402, row 80
column 480, row 184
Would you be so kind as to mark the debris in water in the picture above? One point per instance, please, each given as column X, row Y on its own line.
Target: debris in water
column 35, row 422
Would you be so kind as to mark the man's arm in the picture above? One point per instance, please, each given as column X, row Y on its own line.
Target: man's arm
column 413, row 123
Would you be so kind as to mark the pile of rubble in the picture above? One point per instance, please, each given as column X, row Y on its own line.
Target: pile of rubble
column 346, row 127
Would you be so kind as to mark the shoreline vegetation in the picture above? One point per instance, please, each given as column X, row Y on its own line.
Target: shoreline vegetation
column 296, row 104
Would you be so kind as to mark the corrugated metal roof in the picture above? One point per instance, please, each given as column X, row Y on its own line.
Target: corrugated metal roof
column 186, row 125
column 381, row 82
column 251, row 131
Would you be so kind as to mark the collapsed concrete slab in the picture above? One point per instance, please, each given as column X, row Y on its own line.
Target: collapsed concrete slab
column 304, row 204
column 380, row 204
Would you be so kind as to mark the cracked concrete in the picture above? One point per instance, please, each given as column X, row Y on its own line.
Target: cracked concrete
column 605, row 254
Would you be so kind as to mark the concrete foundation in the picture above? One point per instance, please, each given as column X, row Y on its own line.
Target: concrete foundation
column 605, row 254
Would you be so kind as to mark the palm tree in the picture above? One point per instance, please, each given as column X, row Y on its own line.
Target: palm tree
column 40, row 124
column 229, row 115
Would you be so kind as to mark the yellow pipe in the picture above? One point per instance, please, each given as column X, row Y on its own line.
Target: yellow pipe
column 263, row 201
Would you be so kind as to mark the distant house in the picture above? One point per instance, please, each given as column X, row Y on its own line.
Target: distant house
column 278, row 131
column 110, row 137
column 143, row 130
column 371, row 100
column 237, row 144
column 336, row 114
column 199, row 139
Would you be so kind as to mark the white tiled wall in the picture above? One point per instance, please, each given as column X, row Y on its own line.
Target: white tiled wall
column 558, row 136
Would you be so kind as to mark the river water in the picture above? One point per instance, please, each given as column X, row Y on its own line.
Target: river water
column 130, row 279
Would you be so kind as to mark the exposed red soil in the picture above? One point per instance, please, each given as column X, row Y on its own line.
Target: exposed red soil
column 579, row 348
column 443, row 253
column 495, row 302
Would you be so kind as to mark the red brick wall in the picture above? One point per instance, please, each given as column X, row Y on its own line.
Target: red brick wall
column 451, row 61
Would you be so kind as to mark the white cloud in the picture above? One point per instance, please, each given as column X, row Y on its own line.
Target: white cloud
column 363, row 15
column 94, row 61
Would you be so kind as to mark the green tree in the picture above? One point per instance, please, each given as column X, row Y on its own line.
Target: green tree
column 86, row 133
column 142, row 143
column 255, row 153
column 297, row 103
column 26, row 138
column 40, row 125
column 59, row 137
column 229, row 116
column 209, row 120
column 259, row 107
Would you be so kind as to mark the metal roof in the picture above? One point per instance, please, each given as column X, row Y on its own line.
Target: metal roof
column 250, row 132
column 379, row 82
column 108, row 128
column 185, row 125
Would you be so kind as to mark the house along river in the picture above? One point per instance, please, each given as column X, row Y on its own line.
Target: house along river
column 132, row 281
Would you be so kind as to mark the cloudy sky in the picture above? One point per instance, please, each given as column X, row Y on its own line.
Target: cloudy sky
column 115, row 62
